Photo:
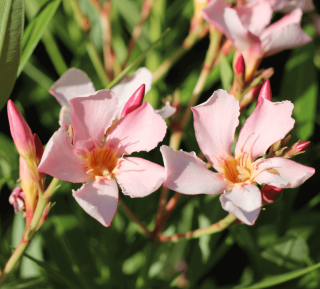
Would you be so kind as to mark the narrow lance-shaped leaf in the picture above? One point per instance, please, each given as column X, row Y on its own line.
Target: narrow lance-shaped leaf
column 36, row 28
column 11, row 30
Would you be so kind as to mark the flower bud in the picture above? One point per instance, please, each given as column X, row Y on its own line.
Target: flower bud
column 265, row 91
column 134, row 101
column 240, row 67
column 296, row 149
column 270, row 194
column 39, row 147
column 16, row 199
column 21, row 132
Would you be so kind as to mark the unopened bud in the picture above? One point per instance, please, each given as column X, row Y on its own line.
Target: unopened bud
column 134, row 101
column 21, row 132
column 16, row 199
column 296, row 149
column 240, row 67
column 270, row 194
column 265, row 91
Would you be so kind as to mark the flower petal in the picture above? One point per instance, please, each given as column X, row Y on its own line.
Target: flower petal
column 269, row 122
column 72, row 83
column 140, row 130
column 61, row 161
column 99, row 200
column 187, row 174
column 138, row 177
column 286, row 6
column 129, row 84
column 215, row 122
column 284, row 34
column 167, row 111
column 91, row 117
column 243, row 202
column 290, row 174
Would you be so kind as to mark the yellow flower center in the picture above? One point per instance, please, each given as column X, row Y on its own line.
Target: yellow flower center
column 239, row 169
column 102, row 162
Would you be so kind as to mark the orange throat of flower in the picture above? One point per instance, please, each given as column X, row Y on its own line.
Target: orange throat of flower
column 102, row 163
column 239, row 169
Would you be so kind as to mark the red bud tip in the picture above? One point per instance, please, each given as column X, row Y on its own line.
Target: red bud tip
column 302, row 145
column 240, row 67
column 20, row 131
column 134, row 101
column 265, row 91
column 270, row 194
column 39, row 146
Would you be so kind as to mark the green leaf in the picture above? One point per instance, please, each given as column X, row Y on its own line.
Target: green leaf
column 226, row 73
column 300, row 85
column 36, row 28
column 11, row 30
column 279, row 279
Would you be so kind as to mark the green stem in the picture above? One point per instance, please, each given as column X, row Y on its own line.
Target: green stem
column 215, row 228
column 133, row 217
column 30, row 230
column 187, row 44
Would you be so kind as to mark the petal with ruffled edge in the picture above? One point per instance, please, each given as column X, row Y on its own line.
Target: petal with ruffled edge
column 129, row 84
column 167, row 111
column 61, row 161
column 243, row 202
column 91, row 117
column 72, row 83
column 215, row 122
column 255, row 16
column 269, row 122
column 187, row 174
column 99, row 200
column 138, row 177
column 283, row 173
column 284, row 34
column 140, row 130
column 213, row 13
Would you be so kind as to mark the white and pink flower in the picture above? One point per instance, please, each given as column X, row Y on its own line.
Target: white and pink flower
column 97, row 159
column 75, row 83
column 215, row 122
column 246, row 27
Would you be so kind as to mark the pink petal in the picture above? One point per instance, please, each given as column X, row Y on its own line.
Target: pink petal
column 99, row 200
column 269, row 122
column 243, row 202
column 65, row 115
column 167, row 111
column 215, row 122
column 284, row 34
column 140, row 130
column 286, row 6
column 291, row 174
column 72, row 83
column 61, row 161
column 187, row 174
column 213, row 13
column 139, row 178
column 91, row 117
column 129, row 84
column 255, row 16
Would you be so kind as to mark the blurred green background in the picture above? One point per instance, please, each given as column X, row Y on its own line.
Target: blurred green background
column 72, row 250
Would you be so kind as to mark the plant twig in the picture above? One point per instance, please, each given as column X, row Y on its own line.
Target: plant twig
column 144, row 15
column 215, row 228
column 133, row 217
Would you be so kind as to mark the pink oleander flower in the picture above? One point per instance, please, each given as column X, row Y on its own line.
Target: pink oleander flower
column 75, row 83
column 16, row 199
column 97, row 160
column 215, row 122
column 246, row 27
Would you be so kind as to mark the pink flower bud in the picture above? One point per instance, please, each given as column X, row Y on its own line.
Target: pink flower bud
column 302, row 145
column 240, row 67
column 270, row 194
column 39, row 147
column 21, row 132
column 134, row 101
column 16, row 199
column 296, row 149
column 265, row 91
